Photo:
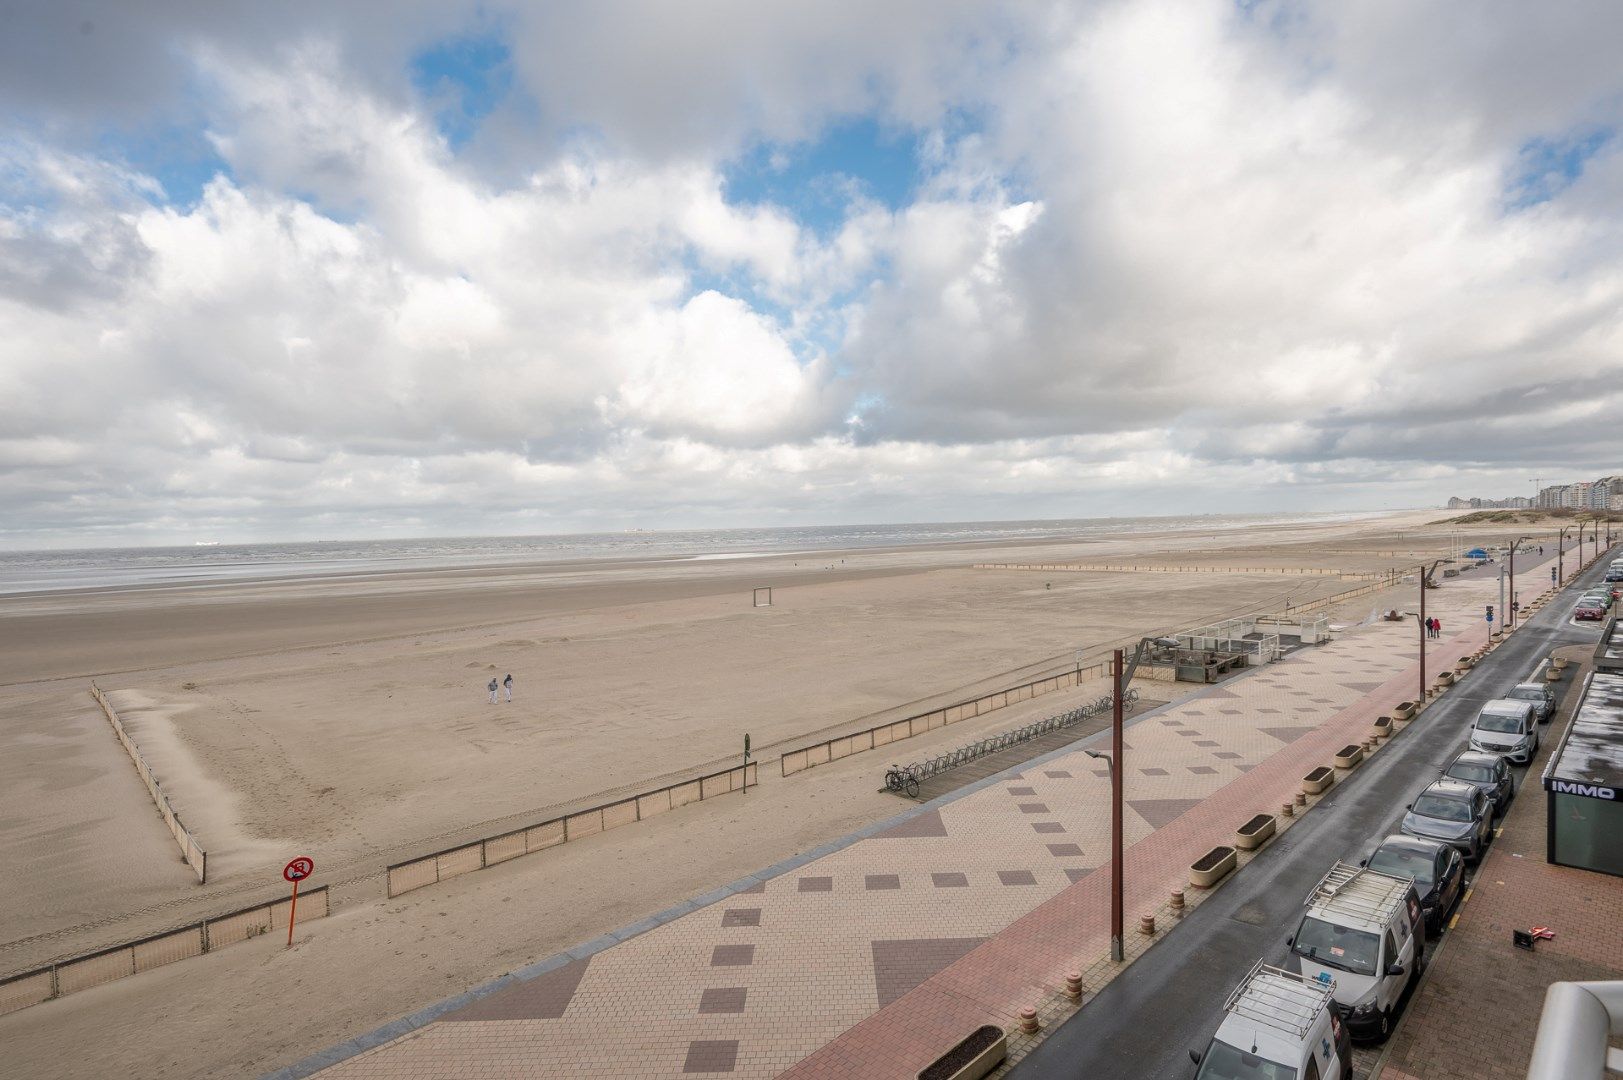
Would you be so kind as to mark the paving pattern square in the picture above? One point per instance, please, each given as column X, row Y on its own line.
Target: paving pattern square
column 1048, row 826
column 743, row 916
column 723, row 999
column 950, row 880
column 1017, row 877
column 1060, row 851
column 732, row 956
column 875, row 882
column 711, row 1056
column 900, row 965
column 816, row 884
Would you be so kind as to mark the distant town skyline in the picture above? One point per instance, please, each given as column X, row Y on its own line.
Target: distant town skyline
column 1605, row 493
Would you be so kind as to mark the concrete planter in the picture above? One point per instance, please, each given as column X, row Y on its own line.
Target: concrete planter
column 1348, row 756
column 1405, row 711
column 1254, row 833
column 1318, row 780
column 1446, row 679
column 1382, row 727
column 981, row 1051
column 1558, row 662
column 1213, row 867
column 1466, row 663
column 1552, row 674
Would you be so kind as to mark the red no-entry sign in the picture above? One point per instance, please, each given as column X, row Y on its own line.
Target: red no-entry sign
column 296, row 871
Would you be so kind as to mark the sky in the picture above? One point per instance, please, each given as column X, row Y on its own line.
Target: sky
column 313, row 270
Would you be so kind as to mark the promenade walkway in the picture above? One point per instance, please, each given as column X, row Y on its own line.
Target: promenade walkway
column 870, row 957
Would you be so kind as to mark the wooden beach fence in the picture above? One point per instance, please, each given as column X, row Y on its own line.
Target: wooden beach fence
column 190, row 849
column 74, row 973
column 465, row 858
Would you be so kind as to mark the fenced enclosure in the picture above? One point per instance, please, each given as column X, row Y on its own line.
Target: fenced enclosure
column 905, row 779
column 190, row 849
column 762, row 596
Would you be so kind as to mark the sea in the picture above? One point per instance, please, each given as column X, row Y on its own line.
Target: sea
column 204, row 562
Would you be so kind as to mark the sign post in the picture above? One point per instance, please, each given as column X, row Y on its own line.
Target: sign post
column 746, row 763
column 295, row 871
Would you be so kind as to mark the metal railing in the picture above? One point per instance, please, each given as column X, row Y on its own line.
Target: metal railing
column 905, row 779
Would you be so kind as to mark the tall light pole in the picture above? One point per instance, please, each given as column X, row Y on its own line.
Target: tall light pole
column 1425, row 579
column 1510, row 623
column 1113, row 761
column 1560, row 555
column 1116, row 778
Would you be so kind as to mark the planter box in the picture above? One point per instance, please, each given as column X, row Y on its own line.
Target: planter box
column 1317, row 780
column 1254, row 833
column 1382, row 727
column 1213, row 867
column 1405, row 711
column 1558, row 662
column 1348, row 756
column 1552, row 674
column 981, row 1051
column 1446, row 679
column 1465, row 664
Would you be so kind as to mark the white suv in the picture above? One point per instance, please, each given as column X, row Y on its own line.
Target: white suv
column 1278, row 1026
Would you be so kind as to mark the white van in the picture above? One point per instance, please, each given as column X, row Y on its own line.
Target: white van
column 1278, row 1024
column 1506, row 727
column 1361, row 935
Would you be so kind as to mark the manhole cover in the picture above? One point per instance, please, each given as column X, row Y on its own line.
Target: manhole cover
column 1253, row 914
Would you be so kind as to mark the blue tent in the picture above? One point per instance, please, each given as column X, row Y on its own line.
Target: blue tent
column 1476, row 553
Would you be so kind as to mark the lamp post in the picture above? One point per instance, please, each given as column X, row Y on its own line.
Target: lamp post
column 1560, row 555
column 1425, row 580
column 1510, row 623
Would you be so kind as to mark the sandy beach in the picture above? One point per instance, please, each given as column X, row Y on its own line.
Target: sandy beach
column 347, row 719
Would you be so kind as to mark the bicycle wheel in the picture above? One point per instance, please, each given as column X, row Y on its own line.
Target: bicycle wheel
column 893, row 780
column 912, row 787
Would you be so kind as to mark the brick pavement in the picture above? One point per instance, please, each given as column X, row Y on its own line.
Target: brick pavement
column 872, row 959
column 1477, row 1013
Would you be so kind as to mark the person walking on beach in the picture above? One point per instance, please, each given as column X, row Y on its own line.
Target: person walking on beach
column 507, row 683
column 1437, row 628
column 492, row 689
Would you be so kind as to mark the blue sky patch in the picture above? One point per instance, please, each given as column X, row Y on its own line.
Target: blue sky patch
column 816, row 181
column 1547, row 167
column 463, row 80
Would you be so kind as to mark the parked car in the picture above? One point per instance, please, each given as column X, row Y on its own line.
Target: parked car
column 1278, row 1024
column 1506, row 727
column 1589, row 610
column 1540, row 694
column 1361, row 936
column 1488, row 772
column 1454, row 813
column 1437, row 870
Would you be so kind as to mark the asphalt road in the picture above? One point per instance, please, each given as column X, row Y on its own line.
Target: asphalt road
column 1170, row 1001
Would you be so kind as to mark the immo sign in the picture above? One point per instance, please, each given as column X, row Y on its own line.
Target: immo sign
column 1593, row 791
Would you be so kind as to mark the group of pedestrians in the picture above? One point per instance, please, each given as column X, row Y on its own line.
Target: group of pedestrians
column 1434, row 628
column 506, row 683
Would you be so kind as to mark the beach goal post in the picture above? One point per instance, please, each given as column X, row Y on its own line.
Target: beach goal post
column 762, row 596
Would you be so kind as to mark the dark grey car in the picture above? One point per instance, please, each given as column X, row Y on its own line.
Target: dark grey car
column 1540, row 694
column 1487, row 772
column 1454, row 813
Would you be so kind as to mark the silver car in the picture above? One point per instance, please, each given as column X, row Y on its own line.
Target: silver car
column 1488, row 772
column 1540, row 694
column 1454, row 813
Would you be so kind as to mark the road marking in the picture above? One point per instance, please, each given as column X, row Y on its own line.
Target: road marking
column 1466, row 899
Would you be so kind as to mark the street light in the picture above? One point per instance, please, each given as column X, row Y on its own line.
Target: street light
column 1425, row 582
column 1510, row 623
column 1560, row 555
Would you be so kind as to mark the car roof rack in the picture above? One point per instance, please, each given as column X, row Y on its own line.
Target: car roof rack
column 1360, row 892
column 1294, row 1009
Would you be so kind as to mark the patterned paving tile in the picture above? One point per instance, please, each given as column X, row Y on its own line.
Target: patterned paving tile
column 545, row 997
column 1017, row 877
column 1047, row 827
column 874, row 882
column 1288, row 734
column 744, row 916
column 1022, row 791
column 723, row 999
column 899, row 966
column 1159, row 812
column 950, row 880
column 928, row 823
column 816, row 884
column 1060, row 851
column 1033, row 808
column 711, row 1056
column 732, row 956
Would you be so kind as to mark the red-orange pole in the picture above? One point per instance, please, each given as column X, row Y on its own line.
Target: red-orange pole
column 292, row 912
